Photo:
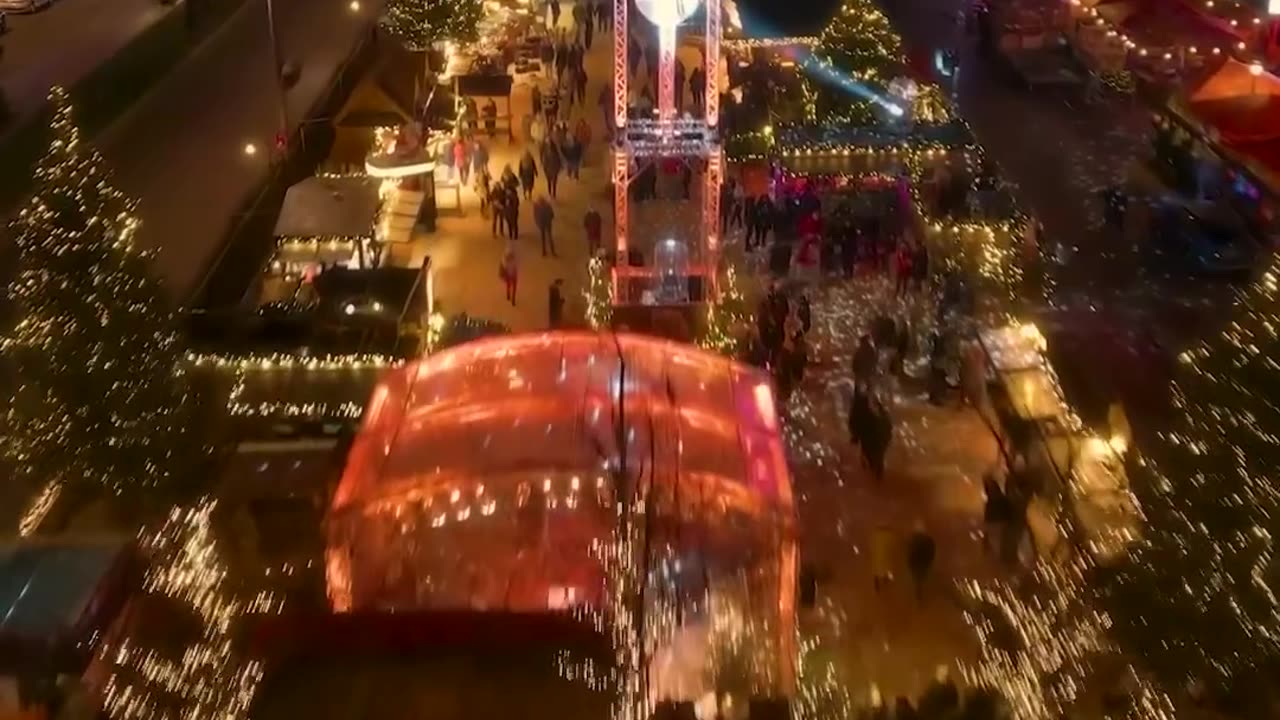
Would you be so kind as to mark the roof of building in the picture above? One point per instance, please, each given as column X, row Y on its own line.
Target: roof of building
column 52, row 593
column 319, row 207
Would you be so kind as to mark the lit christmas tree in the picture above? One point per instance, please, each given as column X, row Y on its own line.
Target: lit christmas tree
column 598, row 294
column 726, row 317
column 859, row 45
column 1199, row 600
column 98, row 400
column 421, row 23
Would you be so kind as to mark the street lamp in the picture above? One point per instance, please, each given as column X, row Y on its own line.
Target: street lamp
column 277, row 68
column 250, row 149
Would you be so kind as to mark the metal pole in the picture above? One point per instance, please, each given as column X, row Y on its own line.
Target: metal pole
column 277, row 69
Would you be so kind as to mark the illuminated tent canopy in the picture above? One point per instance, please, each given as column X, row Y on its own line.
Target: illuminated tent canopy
column 483, row 475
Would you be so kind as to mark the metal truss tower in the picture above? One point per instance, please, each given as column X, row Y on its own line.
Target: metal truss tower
column 667, row 136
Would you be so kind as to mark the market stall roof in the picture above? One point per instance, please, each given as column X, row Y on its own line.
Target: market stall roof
column 1168, row 23
column 1236, row 105
column 345, row 207
column 54, row 595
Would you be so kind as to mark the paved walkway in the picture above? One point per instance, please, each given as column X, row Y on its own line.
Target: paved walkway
column 65, row 42
column 466, row 255
column 935, row 465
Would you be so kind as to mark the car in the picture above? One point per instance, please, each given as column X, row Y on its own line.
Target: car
column 1205, row 243
column 24, row 6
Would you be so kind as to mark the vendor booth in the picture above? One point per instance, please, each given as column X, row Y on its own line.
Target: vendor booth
column 1080, row 474
column 1220, row 141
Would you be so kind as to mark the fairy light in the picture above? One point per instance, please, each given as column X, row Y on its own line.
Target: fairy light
column 93, row 347
column 206, row 680
column 726, row 316
column 419, row 24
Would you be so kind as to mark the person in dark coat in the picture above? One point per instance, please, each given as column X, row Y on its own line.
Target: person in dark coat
column 995, row 512
column 528, row 173
column 511, row 205
column 551, row 164
column 920, row 266
column 921, row 551
column 864, row 362
column 592, row 223
column 573, row 157
column 698, row 86
column 555, row 304
column 543, row 215
column 804, row 313
column 859, row 420
column 879, row 436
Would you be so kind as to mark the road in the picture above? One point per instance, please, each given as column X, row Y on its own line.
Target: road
column 65, row 42
column 179, row 150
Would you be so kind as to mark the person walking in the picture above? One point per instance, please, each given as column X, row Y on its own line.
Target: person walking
column 588, row 26
column 920, row 266
column 879, row 437
column 509, row 271
column 881, row 553
column 902, row 270
column 511, row 205
column 555, row 12
column 551, row 163
column 921, row 551
column 528, row 173
column 555, row 304
column 865, row 360
column 573, row 158
column 859, row 421
column 680, row 78
column 482, row 190
column 462, row 160
column 547, row 54
column 995, row 513
column 543, row 214
column 592, row 223
column 698, row 87
column 498, row 199
column 580, row 84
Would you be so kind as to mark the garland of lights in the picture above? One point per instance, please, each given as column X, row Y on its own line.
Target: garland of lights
column 99, row 404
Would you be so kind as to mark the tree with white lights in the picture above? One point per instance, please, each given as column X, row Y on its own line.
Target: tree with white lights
column 419, row 24
column 97, row 402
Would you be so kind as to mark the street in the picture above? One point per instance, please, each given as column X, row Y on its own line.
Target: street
column 63, row 43
column 180, row 149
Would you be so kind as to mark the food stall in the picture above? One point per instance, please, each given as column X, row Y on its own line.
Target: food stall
column 1077, row 471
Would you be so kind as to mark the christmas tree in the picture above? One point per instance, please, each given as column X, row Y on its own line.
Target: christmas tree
column 97, row 402
column 859, row 45
column 726, row 317
column 599, row 294
column 421, row 23
column 1199, row 600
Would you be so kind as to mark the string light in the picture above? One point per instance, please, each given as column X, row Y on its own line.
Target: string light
column 208, row 679
column 419, row 24
column 726, row 316
column 98, row 402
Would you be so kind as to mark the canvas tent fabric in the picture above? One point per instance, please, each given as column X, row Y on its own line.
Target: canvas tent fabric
column 318, row 207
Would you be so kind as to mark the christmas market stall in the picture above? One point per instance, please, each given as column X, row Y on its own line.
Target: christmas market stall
column 1165, row 40
column 1079, row 473
column 1219, row 142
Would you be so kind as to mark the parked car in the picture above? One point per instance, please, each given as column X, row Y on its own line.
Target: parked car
column 24, row 6
column 1200, row 242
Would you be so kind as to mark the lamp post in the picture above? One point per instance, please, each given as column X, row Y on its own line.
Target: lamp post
column 277, row 69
